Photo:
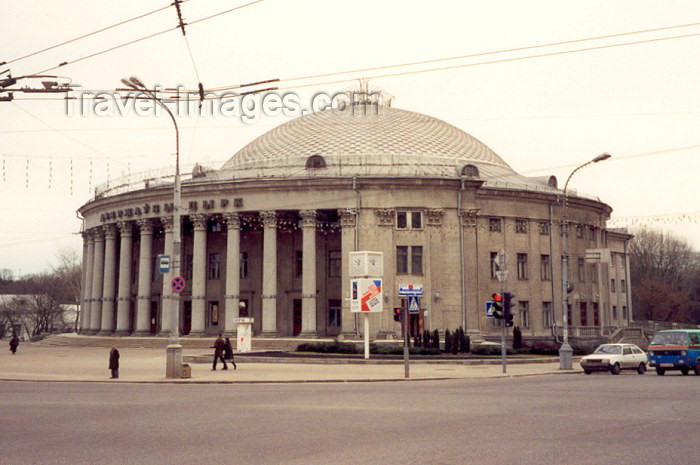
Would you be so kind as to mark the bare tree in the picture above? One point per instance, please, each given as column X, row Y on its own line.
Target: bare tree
column 68, row 271
column 6, row 275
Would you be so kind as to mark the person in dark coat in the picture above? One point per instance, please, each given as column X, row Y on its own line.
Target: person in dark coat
column 219, row 352
column 114, row 361
column 14, row 343
column 228, row 352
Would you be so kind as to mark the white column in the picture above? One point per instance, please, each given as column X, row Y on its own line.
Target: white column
column 124, row 293
column 269, row 284
column 308, row 277
column 109, row 283
column 97, row 280
column 143, row 299
column 166, row 292
column 199, row 274
column 233, row 271
column 87, row 282
column 348, row 224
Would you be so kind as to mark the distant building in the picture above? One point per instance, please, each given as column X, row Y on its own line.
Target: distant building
column 273, row 227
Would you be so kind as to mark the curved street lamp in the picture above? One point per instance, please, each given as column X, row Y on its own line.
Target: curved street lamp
column 565, row 351
column 173, row 364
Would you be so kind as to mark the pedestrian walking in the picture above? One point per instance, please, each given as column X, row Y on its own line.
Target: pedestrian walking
column 114, row 361
column 219, row 352
column 14, row 343
column 228, row 352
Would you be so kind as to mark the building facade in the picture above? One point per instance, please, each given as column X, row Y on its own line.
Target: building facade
column 268, row 235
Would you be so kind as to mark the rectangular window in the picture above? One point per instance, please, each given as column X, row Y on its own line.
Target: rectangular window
column 299, row 263
column 244, row 264
column 547, row 318
column 543, row 228
column 522, row 266
column 214, row 313
column 623, row 285
column 417, row 259
column 524, row 310
column 334, row 264
column 624, row 312
column 495, row 224
column 521, row 226
column 581, row 270
column 592, row 233
column 579, row 232
column 594, row 273
column 214, row 265
column 614, row 311
column 583, row 309
column 622, row 260
column 416, row 220
column 401, row 259
column 214, row 226
column 188, row 266
column 334, row 313
column 612, row 285
column 545, row 268
column 494, row 265
column 401, row 219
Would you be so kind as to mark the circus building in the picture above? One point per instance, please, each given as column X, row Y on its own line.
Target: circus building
column 268, row 236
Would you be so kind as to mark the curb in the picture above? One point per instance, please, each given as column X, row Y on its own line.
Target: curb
column 352, row 361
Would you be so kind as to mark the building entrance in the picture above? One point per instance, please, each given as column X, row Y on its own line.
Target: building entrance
column 186, row 317
column 296, row 317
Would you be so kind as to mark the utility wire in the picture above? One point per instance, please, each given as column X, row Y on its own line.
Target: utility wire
column 88, row 34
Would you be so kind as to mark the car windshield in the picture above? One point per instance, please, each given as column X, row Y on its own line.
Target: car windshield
column 669, row 339
column 613, row 350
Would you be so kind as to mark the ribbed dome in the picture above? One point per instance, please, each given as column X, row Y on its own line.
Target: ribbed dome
column 371, row 141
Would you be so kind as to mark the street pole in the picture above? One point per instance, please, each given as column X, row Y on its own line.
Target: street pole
column 173, row 364
column 504, row 329
column 565, row 351
column 404, row 313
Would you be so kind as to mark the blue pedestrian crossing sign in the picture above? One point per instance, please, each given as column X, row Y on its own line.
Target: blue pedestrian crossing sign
column 489, row 310
column 413, row 305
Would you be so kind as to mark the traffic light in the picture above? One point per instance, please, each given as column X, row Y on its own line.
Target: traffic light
column 397, row 314
column 497, row 306
column 507, row 308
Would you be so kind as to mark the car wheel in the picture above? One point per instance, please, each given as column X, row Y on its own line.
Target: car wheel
column 660, row 371
column 615, row 370
column 641, row 369
column 588, row 372
column 685, row 371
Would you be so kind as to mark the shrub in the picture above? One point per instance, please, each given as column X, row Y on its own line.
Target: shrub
column 448, row 341
column 457, row 341
column 436, row 339
column 517, row 338
column 426, row 339
column 490, row 349
column 544, row 348
column 467, row 344
column 335, row 347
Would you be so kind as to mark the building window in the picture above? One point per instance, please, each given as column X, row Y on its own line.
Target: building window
column 417, row 259
column 522, row 266
column 401, row 259
column 614, row 311
column 581, row 270
column 335, row 264
column 214, row 227
column 624, row 312
column 592, row 233
column 579, row 232
column 547, row 319
column 494, row 265
column 214, row 265
column 545, row 268
column 495, row 224
column 244, row 264
column 315, row 162
column 214, row 313
column 622, row 260
column 612, row 285
column 407, row 219
column 334, row 313
column 524, row 313
column 623, row 285
column 594, row 273
column 543, row 228
column 299, row 263
column 521, row 226
column 470, row 171
column 188, row 266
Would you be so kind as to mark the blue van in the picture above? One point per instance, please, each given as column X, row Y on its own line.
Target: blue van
column 675, row 350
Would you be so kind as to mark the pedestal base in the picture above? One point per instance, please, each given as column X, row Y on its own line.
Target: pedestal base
column 308, row 335
column 173, row 362
column 141, row 334
column 121, row 333
column 565, row 356
column 105, row 333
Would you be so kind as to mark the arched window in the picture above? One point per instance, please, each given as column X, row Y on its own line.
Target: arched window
column 552, row 182
column 315, row 162
column 470, row 171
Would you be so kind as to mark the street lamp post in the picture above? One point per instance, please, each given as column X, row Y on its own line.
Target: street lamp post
column 565, row 351
column 173, row 364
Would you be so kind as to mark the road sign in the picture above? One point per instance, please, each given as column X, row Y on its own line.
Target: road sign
column 489, row 310
column 177, row 284
column 413, row 305
column 164, row 263
column 501, row 260
column 411, row 290
column 502, row 275
column 366, row 295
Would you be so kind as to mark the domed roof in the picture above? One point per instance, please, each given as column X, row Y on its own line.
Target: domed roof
column 364, row 140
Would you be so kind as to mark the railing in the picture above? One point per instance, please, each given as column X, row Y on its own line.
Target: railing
column 662, row 325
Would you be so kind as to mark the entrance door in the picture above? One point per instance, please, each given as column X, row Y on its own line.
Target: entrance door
column 186, row 317
column 584, row 313
column 154, row 317
column 297, row 317
column 596, row 317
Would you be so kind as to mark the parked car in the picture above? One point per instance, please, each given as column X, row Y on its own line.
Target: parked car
column 615, row 358
column 675, row 350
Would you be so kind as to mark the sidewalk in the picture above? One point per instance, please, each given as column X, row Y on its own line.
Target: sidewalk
column 35, row 362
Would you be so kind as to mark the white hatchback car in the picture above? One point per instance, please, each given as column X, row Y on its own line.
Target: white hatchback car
column 615, row 358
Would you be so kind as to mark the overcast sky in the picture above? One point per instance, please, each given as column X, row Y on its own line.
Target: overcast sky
column 542, row 115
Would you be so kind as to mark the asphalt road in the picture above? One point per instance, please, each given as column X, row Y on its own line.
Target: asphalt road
column 572, row 419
